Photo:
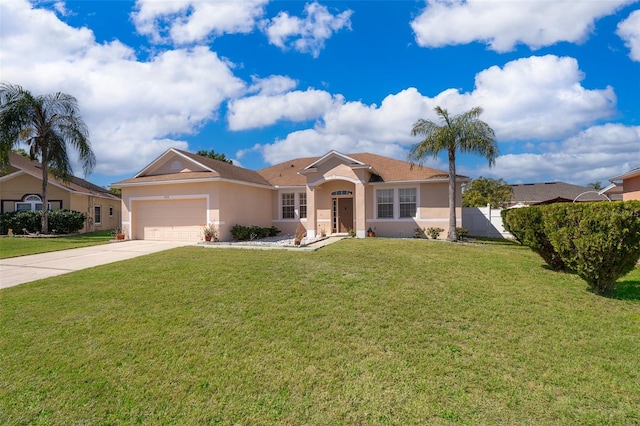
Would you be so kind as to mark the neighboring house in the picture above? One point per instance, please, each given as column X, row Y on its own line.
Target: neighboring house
column 179, row 192
column 530, row 194
column 626, row 186
column 21, row 190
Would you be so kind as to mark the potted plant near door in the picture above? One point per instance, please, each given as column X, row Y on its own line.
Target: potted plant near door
column 370, row 232
column 118, row 234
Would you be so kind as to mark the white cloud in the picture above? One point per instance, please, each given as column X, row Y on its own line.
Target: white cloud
column 191, row 21
column 539, row 98
column 503, row 24
column 308, row 34
column 264, row 110
column 594, row 155
column 132, row 108
column 272, row 85
column 629, row 31
column 536, row 98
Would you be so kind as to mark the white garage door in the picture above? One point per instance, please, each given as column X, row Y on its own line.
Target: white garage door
column 169, row 220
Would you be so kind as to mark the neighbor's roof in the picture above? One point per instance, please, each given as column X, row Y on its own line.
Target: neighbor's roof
column 75, row 184
column 552, row 192
column 387, row 169
column 627, row 175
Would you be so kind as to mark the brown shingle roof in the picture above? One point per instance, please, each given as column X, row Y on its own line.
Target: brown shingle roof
column 74, row 184
column 219, row 169
column 536, row 193
column 389, row 170
column 226, row 170
column 286, row 174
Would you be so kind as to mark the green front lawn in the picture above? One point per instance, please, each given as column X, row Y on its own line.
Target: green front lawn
column 21, row 246
column 364, row 332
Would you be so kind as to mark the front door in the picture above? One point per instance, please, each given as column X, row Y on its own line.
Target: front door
column 345, row 214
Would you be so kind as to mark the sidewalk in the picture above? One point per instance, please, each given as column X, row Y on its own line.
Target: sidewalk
column 24, row 269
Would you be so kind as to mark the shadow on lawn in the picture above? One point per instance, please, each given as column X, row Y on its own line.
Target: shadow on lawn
column 627, row 290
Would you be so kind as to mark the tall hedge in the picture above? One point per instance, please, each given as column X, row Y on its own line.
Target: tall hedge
column 17, row 221
column 60, row 221
column 599, row 241
column 526, row 226
column 65, row 221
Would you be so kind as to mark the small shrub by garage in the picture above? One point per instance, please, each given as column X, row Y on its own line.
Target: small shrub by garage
column 599, row 241
column 526, row 226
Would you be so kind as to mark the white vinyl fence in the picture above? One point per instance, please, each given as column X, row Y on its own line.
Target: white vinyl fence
column 484, row 222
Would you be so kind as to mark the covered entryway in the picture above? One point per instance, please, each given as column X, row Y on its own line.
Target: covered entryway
column 169, row 220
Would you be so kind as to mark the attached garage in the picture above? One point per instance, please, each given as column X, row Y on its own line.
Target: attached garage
column 169, row 220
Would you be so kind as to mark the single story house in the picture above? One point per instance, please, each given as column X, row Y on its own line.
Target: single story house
column 531, row 194
column 626, row 186
column 179, row 192
column 21, row 190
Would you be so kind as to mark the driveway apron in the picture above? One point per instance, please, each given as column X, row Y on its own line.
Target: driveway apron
column 24, row 269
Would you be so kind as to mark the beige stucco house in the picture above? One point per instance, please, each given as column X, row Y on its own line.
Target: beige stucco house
column 179, row 192
column 627, row 184
column 21, row 189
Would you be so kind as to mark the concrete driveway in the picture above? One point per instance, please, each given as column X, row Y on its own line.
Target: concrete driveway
column 24, row 269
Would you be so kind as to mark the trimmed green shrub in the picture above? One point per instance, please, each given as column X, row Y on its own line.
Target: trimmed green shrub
column 599, row 241
column 60, row 222
column 526, row 226
column 505, row 224
column 245, row 233
column 434, row 233
column 65, row 221
column 17, row 221
column 462, row 233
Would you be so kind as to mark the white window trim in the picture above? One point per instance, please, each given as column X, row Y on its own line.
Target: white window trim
column 298, row 194
column 393, row 203
column 396, row 204
column 398, row 197
column 32, row 200
column 296, row 207
column 111, row 210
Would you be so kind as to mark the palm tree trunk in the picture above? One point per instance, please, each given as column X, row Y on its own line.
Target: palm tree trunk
column 452, row 235
column 45, row 196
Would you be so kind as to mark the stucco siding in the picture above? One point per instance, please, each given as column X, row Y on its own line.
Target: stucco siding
column 226, row 204
column 631, row 188
column 243, row 205
column 14, row 189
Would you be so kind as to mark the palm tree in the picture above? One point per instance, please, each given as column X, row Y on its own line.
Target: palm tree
column 47, row 124
column 464, row 133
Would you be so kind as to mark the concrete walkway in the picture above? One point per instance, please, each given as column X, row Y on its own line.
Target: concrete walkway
column 24, row 269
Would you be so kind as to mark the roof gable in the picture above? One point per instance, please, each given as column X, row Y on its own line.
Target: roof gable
column 175, row 165
column 335, row 155
column 173, row 161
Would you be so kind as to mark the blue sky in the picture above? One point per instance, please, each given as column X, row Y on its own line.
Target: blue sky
column 265, row 81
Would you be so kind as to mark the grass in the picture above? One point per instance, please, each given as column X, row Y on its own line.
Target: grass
column 21, row 246
column 368, row 331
